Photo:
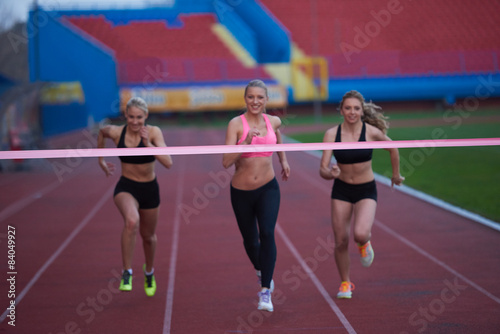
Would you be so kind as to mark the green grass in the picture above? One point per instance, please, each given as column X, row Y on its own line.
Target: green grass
column 329, row 117
column 468, row 177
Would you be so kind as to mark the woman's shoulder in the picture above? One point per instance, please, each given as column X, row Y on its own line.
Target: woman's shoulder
column 112, row 131
column 275, row 120
column 330, row 134
column 373, row 133
column 235, row 121
column 153, row 129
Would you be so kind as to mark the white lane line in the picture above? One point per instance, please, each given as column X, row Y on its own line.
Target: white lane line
column 316, row 281
column 74, row 233
column 421, row 195
column 396, row 235
column 440, row 203
column 21, row 204
column 435, row 260
column 167, row 321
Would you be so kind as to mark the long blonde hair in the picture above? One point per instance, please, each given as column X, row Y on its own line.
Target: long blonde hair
column 372, row 113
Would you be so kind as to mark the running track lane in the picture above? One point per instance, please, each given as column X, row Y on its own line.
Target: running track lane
column 431, row 267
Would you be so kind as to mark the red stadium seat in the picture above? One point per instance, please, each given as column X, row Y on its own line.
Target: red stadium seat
column 151, row 52
column 437, row 31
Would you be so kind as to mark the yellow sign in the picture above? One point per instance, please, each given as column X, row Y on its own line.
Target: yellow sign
column 310, row 78
column 199, row 98
column 55, row 93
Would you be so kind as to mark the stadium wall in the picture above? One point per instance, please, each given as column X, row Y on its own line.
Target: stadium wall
column 67, row 56
column 447, row 88
column 256, row 29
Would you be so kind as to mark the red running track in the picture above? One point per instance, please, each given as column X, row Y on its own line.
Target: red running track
column 434, row 271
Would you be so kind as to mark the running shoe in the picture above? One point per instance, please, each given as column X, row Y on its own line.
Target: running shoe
column 149, row 284
column 265, row 303
column 345, row 290
column 367, row 254
column 126, row 282
column 259, row 275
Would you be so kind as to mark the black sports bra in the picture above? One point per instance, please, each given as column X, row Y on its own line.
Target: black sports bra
column 139, row 159
column 352, row 156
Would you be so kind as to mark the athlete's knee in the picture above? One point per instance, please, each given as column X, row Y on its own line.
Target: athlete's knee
column 251, row 244
column 132, row 224
column 341, row 243
column 149, row 238
column 266, row 234
column 362, row 237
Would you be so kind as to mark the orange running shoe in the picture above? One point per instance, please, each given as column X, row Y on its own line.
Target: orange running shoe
column 345, row 290
column 367, row 254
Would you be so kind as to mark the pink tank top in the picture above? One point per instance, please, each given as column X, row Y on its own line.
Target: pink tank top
column 270, row 138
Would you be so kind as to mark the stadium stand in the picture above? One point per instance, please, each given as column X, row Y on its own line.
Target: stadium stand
column 152, row 52
column 383, row 37
column 308, row 50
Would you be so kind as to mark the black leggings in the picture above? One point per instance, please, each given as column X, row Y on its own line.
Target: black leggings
column 258, row 208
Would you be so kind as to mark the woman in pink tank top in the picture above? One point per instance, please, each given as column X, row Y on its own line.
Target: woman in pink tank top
column 255, row 194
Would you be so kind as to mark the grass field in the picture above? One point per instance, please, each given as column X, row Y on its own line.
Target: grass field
column 468, row 177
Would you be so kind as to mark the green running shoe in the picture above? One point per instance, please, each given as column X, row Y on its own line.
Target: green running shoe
column 126, row 282
column 149, row 284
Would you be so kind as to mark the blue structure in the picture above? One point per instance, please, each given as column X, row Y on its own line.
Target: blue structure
column 5, row 84
column 59, row 54
column 261, row 35
column 437, row 87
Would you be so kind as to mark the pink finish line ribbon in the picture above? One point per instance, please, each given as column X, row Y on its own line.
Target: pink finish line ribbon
column 219, row 149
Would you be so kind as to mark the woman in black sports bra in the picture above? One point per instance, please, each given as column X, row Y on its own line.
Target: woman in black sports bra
column 137, row 194
column 354, row 191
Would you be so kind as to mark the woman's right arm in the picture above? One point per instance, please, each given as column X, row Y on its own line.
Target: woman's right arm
column 326, row 169
column 105, row 132
column 228, row 159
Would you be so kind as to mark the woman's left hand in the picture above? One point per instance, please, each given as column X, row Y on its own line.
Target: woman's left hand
column 397, row 180
column 144, row 132
column 285, row 170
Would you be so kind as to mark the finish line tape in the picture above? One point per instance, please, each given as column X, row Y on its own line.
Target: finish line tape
column 220, row 149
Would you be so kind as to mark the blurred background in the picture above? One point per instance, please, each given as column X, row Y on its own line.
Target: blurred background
column 67, row 67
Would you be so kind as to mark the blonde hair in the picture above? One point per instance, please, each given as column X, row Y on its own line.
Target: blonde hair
column 256, row 83
column 138, row 103
column 372, row 114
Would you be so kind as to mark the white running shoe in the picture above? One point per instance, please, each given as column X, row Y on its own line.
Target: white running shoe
column 345, row 290
column 259, row 275
column 367, row 254
column 265, row 303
